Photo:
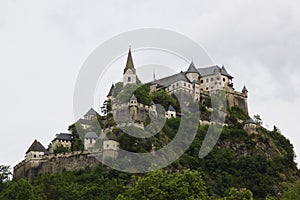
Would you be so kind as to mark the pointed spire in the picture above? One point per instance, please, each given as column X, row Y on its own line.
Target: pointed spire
column 225, row 73
column 111, row 91
column 171, row 108
column 192, row 68
column 244, row 90
column 133, row 97
column 129, row 63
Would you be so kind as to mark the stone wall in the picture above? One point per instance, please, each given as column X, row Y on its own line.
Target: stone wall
column 53, row 164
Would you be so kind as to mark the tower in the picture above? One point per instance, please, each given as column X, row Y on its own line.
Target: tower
column 192, row 73
column 245, row 91
column 133, row 108
column 129, row 74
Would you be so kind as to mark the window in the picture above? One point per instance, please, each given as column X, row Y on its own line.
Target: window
column 207, row 88
column 177, row 84
column 201, row 81
column 129, row 79
column 91, row 141
column 211, row 79
column 218, row 78
column 189, row 85
column 224, row 79
column 184, row 84
column 207, row 80
column 107, row 145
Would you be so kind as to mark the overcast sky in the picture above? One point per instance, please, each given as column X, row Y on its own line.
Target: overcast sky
column 43, row 45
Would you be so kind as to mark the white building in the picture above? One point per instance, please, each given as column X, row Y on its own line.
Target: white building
column 90, row 140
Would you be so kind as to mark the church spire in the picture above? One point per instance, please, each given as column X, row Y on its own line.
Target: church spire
column 129, row 63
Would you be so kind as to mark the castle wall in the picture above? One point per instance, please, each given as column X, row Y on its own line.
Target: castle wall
column 53, row 164
column 237, row 99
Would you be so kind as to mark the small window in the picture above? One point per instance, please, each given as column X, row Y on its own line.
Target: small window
column 218, row 78
column 224, row 79
column 177, row 84
column 107, row 145
column 34, row 155
column 91, row 141
column 129, row 79
column 211, row 79
column 207, row 80
column 189, row 85
column 184, row 84
column 207, row 88
column 201, row 81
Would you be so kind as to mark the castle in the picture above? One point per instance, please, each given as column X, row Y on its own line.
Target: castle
column 197, row 82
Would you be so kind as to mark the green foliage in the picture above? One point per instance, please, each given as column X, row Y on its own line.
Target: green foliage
column 164, row 99
column 4, row 176
column 22, row 190
column 239, row 194
column 164, row 185
column 4, row 173
column 293, row 192
column 61, row 149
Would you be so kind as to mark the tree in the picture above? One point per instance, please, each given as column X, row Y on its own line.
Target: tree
column 4, row 176
column 4, row 173
column 164, row 185
column 61, row 149
column 238, row 194
column 257, row 119
column 292, row 193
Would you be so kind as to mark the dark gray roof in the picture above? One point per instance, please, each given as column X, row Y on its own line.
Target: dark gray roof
column 133, row 97
column 91, row 135
column 167, row 81
column 91, row 112
column 171, row 108
column 208, row 71
column 250, row 121
column 63, row 136
column 244, row 89
column 111, row 91
column 84, row 121
column 129, row 63
column 192, row 68
column 37, row 146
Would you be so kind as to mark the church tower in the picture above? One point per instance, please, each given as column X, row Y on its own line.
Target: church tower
column 129, row 75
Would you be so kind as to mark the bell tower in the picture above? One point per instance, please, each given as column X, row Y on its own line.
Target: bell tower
column 129, row 74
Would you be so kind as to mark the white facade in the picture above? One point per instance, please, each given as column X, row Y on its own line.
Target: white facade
column 34, row 155
column 129, row 77
column 170, row 114
column 110, row 145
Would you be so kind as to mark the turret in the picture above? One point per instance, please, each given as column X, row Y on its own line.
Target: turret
column 111, row 92
column 36, row 151
column 90, row 140
column 192, row 73
column 171, row 112
column 245, row 91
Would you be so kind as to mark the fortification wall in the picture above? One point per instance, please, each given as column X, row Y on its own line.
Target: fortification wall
column 53, row 164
